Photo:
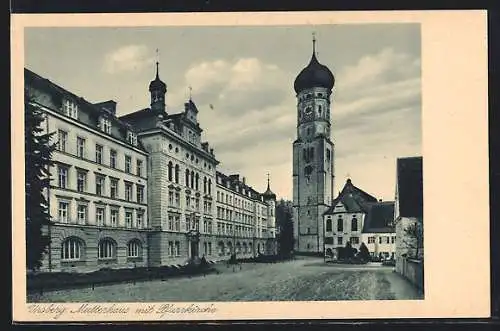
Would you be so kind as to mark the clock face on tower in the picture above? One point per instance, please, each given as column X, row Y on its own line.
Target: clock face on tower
column 307, row 114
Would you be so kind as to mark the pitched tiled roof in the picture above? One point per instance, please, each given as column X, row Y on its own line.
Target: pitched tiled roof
column 355, row 199
column 379, row 218
column 410, row 186
column 93, row 111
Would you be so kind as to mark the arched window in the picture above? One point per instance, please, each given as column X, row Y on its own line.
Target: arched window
column 192, row 179
column 328, row 224
column 106, row 249
column 177, row 174
column 187, row 177
column 209, row 187
column 354, row 224
column 170, row 171
column 72, row 249
column 320, row 110
column 134, row 248
column 340, row 224
column 197, row 181
column 205, row 185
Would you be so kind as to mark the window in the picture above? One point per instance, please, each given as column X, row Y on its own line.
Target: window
column 132, row 138
column 393, row 240
column 177, row 174
column 354, row 240
column 98, row 153
column 128, row 163
column 63, row 211
column 371, row 240
column 209, row 187
column 133, row 248
column 171, row 222
column 328, row 155
column 170, row 171
column 139, row 167
column 204, row 185
column 128, row 191
column 340, row 224
column 192, row 179
column 81, row 181
column 99, row 184
column 197, row 182
column 187, row 178
column 177, row 247
column 388, row 240
column 140, row 193
column 71, row 249
column 177, row 223
column 70, row 109
column 177, row 199
column 379, row 240
column 114, row 188
column 354, row 224
column 339, row 241
column 112, row 158
column 107, row 249
column 80, row 147
column 128, row 219
column 140, row 220
column 106, row 125
column 63, row 176
column 171, row 198
column 209, row 248
column 329, row 225
column 170, row 248
column 62, row 140
column 114, row 217
column 99, row 216
column 82, row 214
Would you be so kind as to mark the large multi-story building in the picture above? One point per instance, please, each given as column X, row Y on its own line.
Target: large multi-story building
column 140, row 189
column 313, row 156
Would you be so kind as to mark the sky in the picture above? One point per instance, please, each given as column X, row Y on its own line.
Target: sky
column 247, row 74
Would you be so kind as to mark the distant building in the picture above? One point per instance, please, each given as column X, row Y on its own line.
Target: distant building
column 358, row 217
column 140, row 189
column 409, row 210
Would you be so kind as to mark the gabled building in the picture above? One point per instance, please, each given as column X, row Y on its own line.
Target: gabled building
column 357, row 217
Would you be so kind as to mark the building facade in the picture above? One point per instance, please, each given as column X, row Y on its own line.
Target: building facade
column 99, row 188
column 140, row 189
column 313, row 156
column 408, row 211
column 358, row 217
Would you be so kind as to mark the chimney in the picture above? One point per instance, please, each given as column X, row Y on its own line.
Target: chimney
column 212, row 151
column 243, row 179
column 204, row 146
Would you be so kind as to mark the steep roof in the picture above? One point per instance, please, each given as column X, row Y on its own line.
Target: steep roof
column 379, row 218
column 410, row 186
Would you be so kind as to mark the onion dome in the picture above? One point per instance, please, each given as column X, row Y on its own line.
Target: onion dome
column 157, row 84
column 269, row 194
column 314, row 75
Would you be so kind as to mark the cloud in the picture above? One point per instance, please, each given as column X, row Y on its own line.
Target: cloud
column 376, row 117
column 127, row 58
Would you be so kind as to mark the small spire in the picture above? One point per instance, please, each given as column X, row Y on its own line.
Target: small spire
column 314, row 43
column 190, row 92
column 157, row 64
column 268, row 181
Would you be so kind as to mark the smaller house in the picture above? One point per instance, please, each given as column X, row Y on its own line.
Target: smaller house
column 358, row 217
column 408, row 219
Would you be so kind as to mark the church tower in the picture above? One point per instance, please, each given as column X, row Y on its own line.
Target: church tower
column 313, row 171
column 157, row 89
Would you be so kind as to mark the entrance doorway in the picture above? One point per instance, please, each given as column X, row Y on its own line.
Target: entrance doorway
column 194, row 249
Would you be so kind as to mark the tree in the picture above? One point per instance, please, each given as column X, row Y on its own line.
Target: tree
column 284, row 219
column 414, row 239
column 364, row 254
column 38, row 153
column 348, row 251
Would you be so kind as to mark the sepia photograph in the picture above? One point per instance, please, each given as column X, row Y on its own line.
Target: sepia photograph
column 207, row 164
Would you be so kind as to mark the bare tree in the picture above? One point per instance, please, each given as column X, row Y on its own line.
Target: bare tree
column 414, row 239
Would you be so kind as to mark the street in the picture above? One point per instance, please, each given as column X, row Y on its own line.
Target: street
column 305, row 279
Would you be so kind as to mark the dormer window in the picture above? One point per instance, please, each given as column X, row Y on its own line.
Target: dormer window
column 132, row 138
column 70, row 108
column 106, row 125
